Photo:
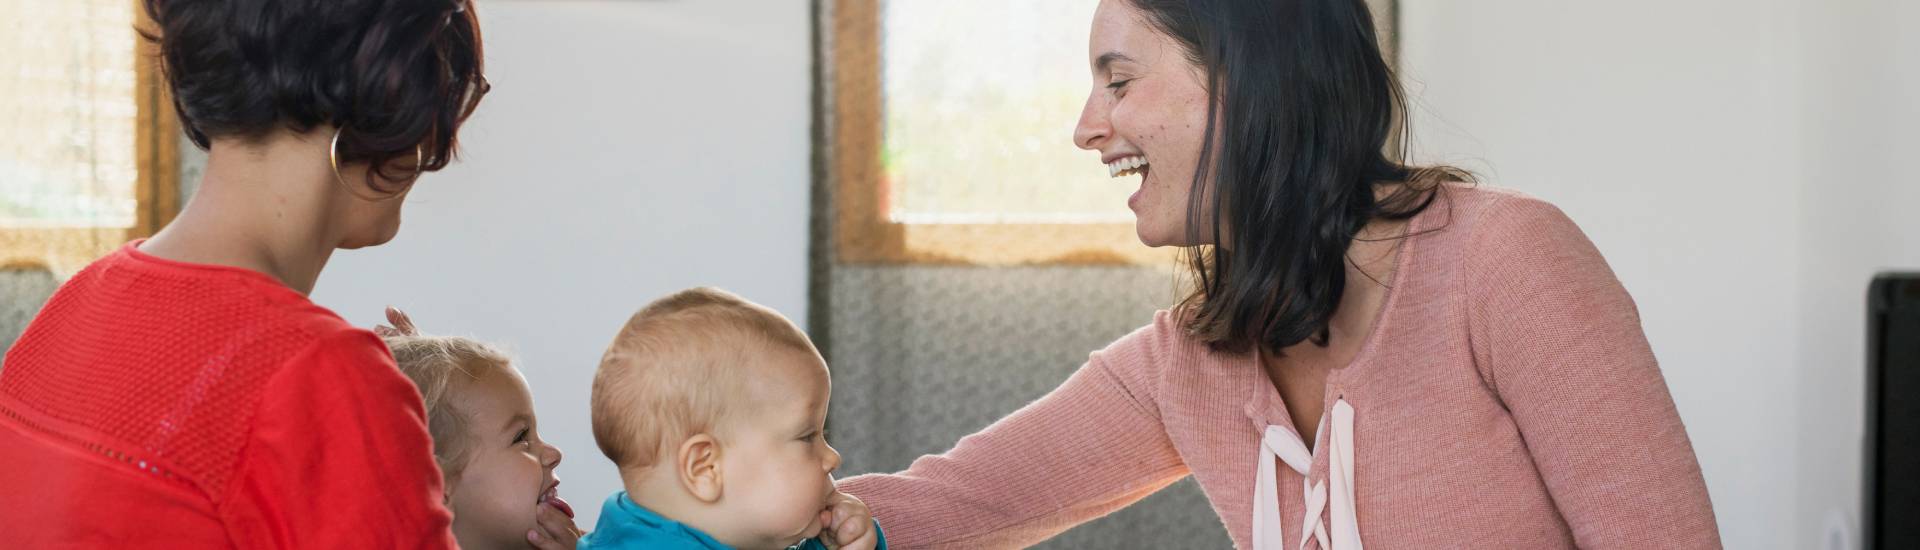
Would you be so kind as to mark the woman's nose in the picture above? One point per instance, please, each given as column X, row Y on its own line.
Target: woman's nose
column 1093, row 129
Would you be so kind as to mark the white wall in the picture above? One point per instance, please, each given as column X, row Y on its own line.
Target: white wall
column 1736, row 161
column 1858, row 213
column 628, row 149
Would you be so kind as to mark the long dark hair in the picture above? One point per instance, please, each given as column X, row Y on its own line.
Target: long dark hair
column 1307, row 116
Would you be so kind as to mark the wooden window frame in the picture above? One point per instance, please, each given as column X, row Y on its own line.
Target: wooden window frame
column 64, row 250
column 863, row 231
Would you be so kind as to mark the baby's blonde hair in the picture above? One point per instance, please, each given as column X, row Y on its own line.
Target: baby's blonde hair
column 431, row 362
column 672, row 369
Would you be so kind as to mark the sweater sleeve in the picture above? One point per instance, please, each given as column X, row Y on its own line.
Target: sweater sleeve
column 1559, row 339
column 339, row 457
column 1090, row 447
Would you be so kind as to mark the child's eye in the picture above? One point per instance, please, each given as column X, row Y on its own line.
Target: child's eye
column 520, row 437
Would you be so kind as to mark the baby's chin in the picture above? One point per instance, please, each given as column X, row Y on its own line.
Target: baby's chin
column 812, row 530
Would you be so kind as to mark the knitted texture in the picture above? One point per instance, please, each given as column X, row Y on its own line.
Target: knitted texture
column 149, row 390
column 1506, row 398
column 166, row 381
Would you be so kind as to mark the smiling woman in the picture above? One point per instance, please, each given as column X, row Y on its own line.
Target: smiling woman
column 1368, row 343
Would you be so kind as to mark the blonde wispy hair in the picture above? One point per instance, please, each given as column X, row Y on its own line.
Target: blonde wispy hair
column 434, row 364
column 669, row 373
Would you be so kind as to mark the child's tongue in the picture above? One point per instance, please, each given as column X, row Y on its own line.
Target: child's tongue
column 561, row 503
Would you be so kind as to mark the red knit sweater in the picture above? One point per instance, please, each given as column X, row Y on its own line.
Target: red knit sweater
column 155, row 403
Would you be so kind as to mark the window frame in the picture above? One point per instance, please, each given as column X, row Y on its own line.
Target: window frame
column 65, row 250
column 863, row 231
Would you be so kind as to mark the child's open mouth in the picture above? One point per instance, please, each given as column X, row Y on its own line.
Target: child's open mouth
column 552, row 496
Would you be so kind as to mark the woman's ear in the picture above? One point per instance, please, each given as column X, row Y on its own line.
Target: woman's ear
column 698, row 463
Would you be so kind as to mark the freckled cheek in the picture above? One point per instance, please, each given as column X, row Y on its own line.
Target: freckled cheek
column 1139, row 113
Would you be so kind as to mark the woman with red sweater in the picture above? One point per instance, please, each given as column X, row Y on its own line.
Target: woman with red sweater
column 183, row 391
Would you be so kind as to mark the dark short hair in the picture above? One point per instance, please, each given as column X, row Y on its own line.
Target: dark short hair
column 393, row 74
column 1307, row 112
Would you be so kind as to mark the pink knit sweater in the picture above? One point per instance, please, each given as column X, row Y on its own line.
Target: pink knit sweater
column 1506, row 398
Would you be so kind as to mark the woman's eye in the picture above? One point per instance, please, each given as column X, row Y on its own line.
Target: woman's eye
column 1118, row 84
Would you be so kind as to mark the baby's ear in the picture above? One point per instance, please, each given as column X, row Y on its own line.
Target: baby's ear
column 698, row 463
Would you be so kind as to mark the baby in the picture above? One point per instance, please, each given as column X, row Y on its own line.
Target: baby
column 714, row 410
column 497, row 472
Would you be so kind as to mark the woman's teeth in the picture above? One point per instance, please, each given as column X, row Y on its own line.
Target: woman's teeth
column 1126, row 166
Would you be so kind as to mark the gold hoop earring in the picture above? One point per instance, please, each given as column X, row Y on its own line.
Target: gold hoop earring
column 333, row 159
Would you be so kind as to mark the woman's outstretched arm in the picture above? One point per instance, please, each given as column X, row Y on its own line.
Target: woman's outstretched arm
column 1092, row 446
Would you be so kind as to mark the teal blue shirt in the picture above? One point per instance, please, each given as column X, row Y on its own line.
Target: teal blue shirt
column 624, row 524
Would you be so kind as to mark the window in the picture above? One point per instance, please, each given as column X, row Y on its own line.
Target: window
column 977, row 127
column 952, row 136
column 88, row 159
column 950, row 126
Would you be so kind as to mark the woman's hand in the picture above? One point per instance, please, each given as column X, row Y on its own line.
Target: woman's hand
column 401, row 325
column 553, row 529
column 848, row 524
